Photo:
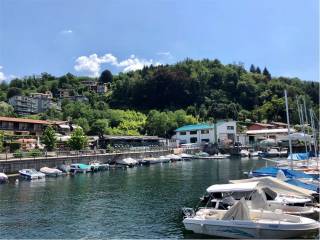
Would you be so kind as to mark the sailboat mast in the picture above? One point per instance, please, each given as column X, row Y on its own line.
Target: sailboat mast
column 288, row 125
column 306, row 114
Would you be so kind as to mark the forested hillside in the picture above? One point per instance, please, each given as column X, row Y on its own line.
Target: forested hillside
column 157, row 99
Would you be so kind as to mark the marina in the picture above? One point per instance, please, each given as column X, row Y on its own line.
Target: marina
column 147, row 200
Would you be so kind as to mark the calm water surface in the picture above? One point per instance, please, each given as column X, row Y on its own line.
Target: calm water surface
column 142, row 202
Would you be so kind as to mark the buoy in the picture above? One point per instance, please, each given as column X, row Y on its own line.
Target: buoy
column 17, row 181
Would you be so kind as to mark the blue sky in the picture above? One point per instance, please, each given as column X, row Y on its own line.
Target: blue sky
column 85, row 37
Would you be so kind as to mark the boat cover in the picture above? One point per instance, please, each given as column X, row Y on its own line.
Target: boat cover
column 278, row 186
column 299, row 156
column 295, row 174
column 258, row 200
column 300, row 184
column 266, row 171
column 239, row 211
column 239, row 187
column 273, row 171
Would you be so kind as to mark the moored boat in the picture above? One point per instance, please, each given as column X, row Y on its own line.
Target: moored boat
column 51, row 172
column 241, row 222
column 80, row 168
column 130, row 162
column 31, row 174
column 3, row 178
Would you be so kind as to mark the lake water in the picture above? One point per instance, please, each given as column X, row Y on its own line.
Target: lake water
column 142, row 202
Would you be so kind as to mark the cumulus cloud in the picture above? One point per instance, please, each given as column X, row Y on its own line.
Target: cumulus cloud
column 93, row 62
column 2, row 76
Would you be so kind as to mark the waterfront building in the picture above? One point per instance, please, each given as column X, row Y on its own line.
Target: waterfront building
column 260, row 126
column 274, row 133
column 222, row 132
column 22, row 126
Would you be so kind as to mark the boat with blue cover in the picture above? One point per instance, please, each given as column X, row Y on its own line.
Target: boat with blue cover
column 80, row 168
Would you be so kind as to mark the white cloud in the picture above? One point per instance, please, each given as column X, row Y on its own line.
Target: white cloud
column 165, row 54
column 2, row 76
column 92, row 63
column 66, row 31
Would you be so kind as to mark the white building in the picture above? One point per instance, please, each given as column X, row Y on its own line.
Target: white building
column 220, row 132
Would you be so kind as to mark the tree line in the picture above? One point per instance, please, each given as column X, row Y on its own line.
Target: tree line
column 157, row 99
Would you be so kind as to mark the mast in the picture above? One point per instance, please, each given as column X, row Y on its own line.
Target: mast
column 314, row 137
column 306, row 114
column 288, row 125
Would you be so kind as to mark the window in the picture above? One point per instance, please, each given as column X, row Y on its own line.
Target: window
column 205, row 140
column 230, row 127
column 193, row 132
column 183, row 133
column 193, row 140
column 205, row 131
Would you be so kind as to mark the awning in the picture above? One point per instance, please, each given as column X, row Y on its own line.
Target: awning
column 239, row 187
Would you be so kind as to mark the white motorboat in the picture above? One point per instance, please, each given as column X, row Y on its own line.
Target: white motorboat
column 241, row 222
column 51, row 172
column 31, row 174
column 95, row 166
column 259, row 195
column 174, row 157
column 255, row 154
column 244, row 153
column 3, row 178
column 164, row 159
column 186, row 156
column 130, row 162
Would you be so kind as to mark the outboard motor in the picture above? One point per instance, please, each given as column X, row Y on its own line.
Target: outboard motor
column 188, row 212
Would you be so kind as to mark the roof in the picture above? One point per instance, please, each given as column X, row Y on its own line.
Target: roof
column 239, row 187
column 279, row 123
column 262, row 124
column 113, row 137
column 266, row 131
column 23, row 120
column 200, row 126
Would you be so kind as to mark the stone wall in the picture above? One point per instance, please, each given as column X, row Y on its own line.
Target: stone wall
column 14, row 165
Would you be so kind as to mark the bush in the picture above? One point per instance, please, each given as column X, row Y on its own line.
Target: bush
column 14, row 146
column 35, row 153
column 18, row 154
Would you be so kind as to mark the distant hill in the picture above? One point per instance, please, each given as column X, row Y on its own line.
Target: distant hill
column 205, row 89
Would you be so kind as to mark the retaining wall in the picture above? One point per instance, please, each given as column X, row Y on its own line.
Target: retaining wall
column 14, row 165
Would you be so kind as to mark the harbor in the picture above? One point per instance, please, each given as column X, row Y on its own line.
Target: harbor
column 140, row 202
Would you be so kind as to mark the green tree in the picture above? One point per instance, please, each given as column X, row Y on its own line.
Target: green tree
column 252, row 68
column 49, row 138
column 106, row 77
column 13, row 91
column 266, row 73
column 6, row 109
column 258, row 70
column 100, row 127
column 78, row 140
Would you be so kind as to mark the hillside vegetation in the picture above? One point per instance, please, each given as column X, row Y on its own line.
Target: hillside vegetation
column 157, row 99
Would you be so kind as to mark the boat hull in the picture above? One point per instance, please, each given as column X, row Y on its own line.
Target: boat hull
column 246, row 230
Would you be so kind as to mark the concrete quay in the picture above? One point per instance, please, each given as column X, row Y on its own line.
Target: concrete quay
column 12, row 166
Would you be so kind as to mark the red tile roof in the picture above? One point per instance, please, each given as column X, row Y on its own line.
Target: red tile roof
column 23, row 120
